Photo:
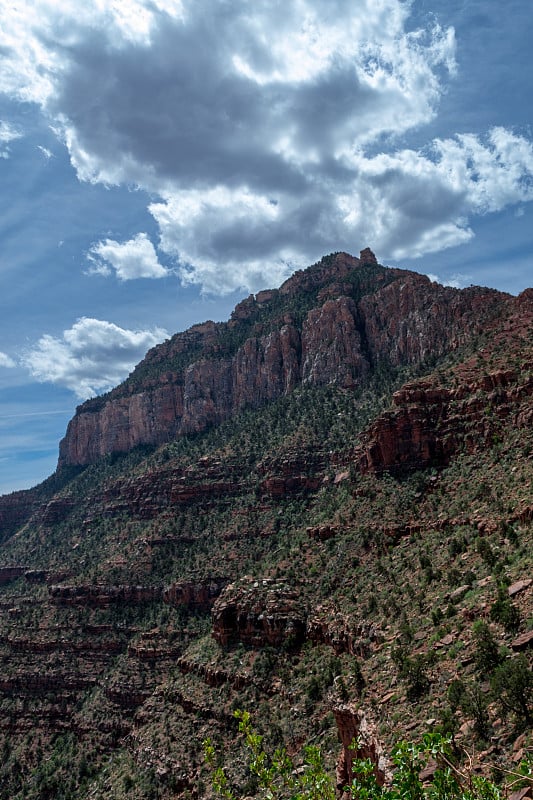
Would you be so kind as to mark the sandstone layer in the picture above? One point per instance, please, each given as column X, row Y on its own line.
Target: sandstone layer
column 356, row 317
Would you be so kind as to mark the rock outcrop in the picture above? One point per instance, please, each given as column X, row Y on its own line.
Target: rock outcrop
column 342, row 634
column 354, row 727
column 15, row 509
column 259, row 613
column 269, row 612
column 56, row 510
column 332, row 345
column 429, row 424
column 8, row 574
column 194, row 595
column 102, row 596
column 164, row 490
column 333, row 323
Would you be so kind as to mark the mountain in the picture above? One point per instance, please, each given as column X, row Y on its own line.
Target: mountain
column 336, row 323
column 319, row 511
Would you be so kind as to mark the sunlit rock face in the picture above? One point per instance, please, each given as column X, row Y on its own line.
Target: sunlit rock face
column 336, row 322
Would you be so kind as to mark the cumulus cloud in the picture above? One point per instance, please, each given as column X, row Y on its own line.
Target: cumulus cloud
column 266, row 135
column 133, row 259
column 406, row 203
column 91, row 357
column 421, row 201
column 6, row 361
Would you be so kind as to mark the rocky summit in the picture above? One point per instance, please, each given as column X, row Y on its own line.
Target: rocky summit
column 319, row 511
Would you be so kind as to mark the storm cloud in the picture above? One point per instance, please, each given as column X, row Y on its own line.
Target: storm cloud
column 265, row 135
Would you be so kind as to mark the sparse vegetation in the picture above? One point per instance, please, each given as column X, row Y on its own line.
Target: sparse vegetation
column 402, row 581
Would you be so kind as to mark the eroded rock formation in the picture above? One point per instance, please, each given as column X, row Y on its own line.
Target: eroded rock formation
column 342, row 634
column 356, row 316
column 258, row 613
column 98, row 595
column 355, row 729
column 194, row 595
column 428, row 424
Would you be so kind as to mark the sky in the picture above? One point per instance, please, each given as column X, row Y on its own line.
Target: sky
column 162, row 159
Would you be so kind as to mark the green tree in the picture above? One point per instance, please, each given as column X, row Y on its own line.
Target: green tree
column 512, row 684
column 414, row 672
column 504, row 612
column 275, row 775
column 474, row 704
column 487, row 654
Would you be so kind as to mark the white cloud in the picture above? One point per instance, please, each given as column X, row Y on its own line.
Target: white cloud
column 91, row 357
column 259, row 95
column 407, row 203
column 6, row 361
column 8, row 133
column 133, row 259
column 495, row 173
column 421, row 202
column 457, row 281
column 45, row 151
column 197, row 226
column 265, row 133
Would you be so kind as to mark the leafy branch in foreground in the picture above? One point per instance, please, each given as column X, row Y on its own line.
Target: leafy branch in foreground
column 279, row 777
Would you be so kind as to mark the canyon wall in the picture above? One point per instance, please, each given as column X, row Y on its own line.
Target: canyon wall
column 357, row 323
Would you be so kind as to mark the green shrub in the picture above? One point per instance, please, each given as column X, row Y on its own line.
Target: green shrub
column 486, row 552
column 456, row 691
column 437, row 615
column 277, row 776
column 359, row 678
column 414, row 672
column 474, row 704
column 504, row 612
column 487, row 653
column 512, row 685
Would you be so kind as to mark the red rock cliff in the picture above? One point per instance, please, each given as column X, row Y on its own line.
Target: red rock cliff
column 361, row 315
column 429, row 423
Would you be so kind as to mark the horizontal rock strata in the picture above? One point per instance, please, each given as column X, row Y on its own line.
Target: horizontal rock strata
column 401, row 318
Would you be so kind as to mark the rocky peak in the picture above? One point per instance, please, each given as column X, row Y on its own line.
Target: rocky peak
column 366, row 257
column 332, row 323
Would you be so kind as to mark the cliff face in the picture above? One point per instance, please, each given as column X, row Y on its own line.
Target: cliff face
column 148, row 417
column 429, row 423
column 358, row 316
column 259, row 613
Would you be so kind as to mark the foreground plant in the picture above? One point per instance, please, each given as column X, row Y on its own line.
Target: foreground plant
column 279, row 777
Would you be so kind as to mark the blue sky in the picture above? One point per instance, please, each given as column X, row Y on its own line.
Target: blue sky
column 161, row 159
